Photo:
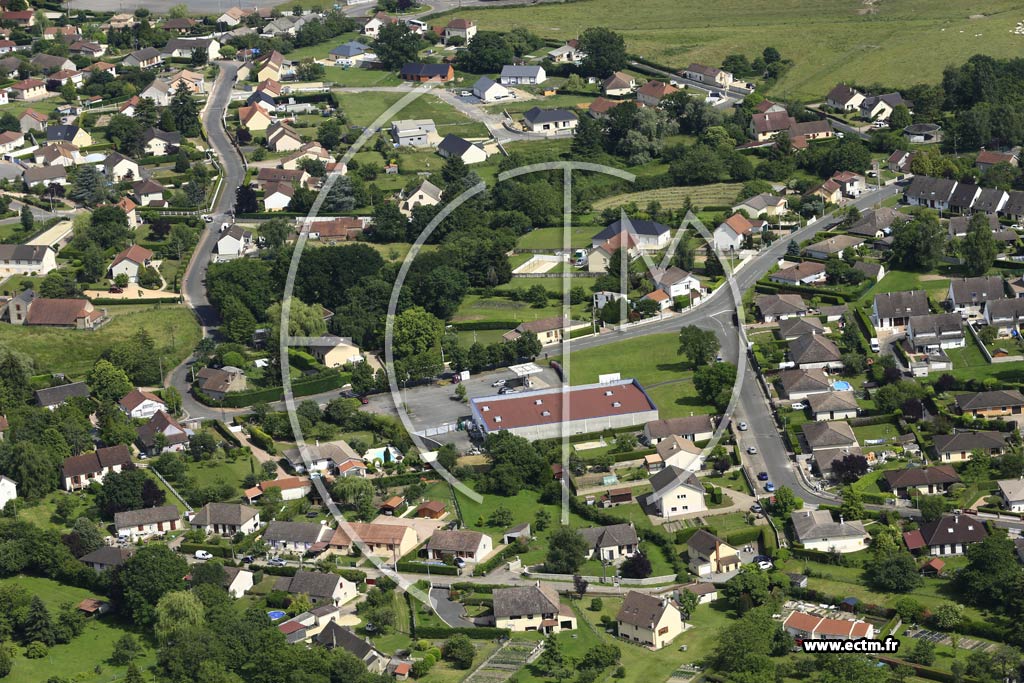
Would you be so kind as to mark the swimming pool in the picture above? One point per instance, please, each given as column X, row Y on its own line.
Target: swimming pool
column 275, row 614
column 842, row 385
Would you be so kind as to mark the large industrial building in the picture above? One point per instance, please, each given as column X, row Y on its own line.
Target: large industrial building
column 549, row 414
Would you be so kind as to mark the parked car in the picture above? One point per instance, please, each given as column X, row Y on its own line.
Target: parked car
column 762, row 476
column 756, row 507
column 498, row 383
column 742, row 426
column 769, row 487
column 248, row 559
column 765, row 565
column 752, row 450
column 204, row 555
column 799, row 405
column 459, row 562
column 115, row 290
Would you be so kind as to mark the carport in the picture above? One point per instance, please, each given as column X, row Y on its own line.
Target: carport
column 524, row 371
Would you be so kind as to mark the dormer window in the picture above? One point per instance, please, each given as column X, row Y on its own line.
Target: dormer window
column 609, row 392
column 497, row 418
column 616, row 404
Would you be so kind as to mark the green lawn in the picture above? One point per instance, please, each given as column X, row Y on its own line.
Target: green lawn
column 717, row 194
column 829, row 41
column 73, row 352
column 85, row 657
column 363, row 108
column 210, row 472
column 731, row 480
column 649, row 359
column 479, row 308
column 554, row 238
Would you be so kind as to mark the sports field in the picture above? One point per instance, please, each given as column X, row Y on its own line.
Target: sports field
column 891, row 42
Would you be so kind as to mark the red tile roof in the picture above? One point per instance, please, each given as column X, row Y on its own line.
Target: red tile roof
column 546, row 407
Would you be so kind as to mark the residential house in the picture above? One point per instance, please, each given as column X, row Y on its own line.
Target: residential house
column 899, row 161
column 226, row 519
column 676, row 492
column 804, row 626
column 53, row 397
column 706, row 592
column 106, row 557
column 296, row 537
column 834, row 246
column 880, row 107
column 218, row 382
column 233, row 242
column 828, row 435
column 775, row 307
column 1006, row 315
column 334, row 351
column 522, row 75
column 797, row 385
column 764, row 127
column 148, row 192
column 531, row 608
column 291, row 488
column 460, row 28
column 960, row 446
column 237, row 581
column 472, row 546
column 649, row 235
column 130, row 262
column 254, row 118
column 1005, row 403
column 675, row 451
column 425, row 194
column 933, row 193
column 312, row 151
column 157, row 142
column 816, row 530
column 487, row 90
column 79, row 471
column 891, row 311
column 233, row 16
column 159, row 92
column 57, row 154
column 194, row 82
column 277, row 196
column 708, row 75
column 162, row 433
column 876, row 223
column 731, row 233
column 270, row 67
column 392, row 541
column 619, row 84
column 815, row 351
column 11, row 140
column 319, row 587
column 610, row 543
column 373, row 25
column 968, row 295
column 548, row 330
column 52, row 63
column 651, row 93
column 829, row 192
column 31, row 120
column 185, row 47
column 119, row 167
column 935, row 331
column 413, row 132
column 844, row 98
column 803, row 273
column 695, row 428
column 963, row 197
column 29, row 90
column 8, row 489
column 320, row 457
column 334, row 230
column 146, row 58
column 648, row 620
column 708, row 554
column 179, row 25
column 986, row 159
column 78, row 314
column 600, row 257
column 1012, row 491
column 427, row 73
column 951, row 535
column 24, row 18
column 334, row 636
column 832, row 405
column 850, row 184
column 920, row 481
column 675, row 282
column 352, row 53
column 22, row 259
column 452, row 146
column 549, row 121
column 763, row 204
column 569, row 53
column 72, row 134
column 147, row 522
column 870, row 270
column 141, row 405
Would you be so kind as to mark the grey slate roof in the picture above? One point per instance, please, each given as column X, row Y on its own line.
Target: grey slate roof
column 832, row 401
column 109, row 556
column 796, row 327
column 977, row 289
column 456, row 541
column 454, row 145
column 522, row 600
column 818, row 524
column 704, row 542
column 313, row 584
column 953, row 529
column 969, row 441
column 131, row 518
column 22, row 252
column 681, row 426
column 614, row 535
column 54, row 396
column 920, row 476
column 515, row 71
column 803, row 381
column 985, row 400
column 640, row 227
column 669, row 478
column 642, row 610
column 813, row 348
column 902, row 304
column 224, row 513
column 828, row 434
column 538, row 115
column 292, row 532
column 925, row 188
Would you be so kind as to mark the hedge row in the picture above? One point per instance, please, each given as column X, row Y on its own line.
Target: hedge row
column 872, row 420
column 274, row 571
column 471, row 325
column 135, row 302
column 744, row 536
column 326, row 381
column 353, row 575
column 215, row 550
column 223, row 430
column 406, row 479
column 261, row 439
column 420, row 568
column 768, row 542
column 476, row 633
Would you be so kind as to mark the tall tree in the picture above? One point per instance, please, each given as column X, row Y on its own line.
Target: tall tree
column 604, row 50
column 185, row 112
column 699, row 345
column 566, row 551
column 979, row 247
column 396, row 45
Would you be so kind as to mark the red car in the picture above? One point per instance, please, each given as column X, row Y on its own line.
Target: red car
column 364, row 400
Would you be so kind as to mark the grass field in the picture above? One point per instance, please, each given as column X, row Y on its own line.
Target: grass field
column 85, row 657
column 650, row 360
column 210, row 472
column 363, row 108
column 73, row 352
column 718, row 194
column 894, row 43
column 552, row 238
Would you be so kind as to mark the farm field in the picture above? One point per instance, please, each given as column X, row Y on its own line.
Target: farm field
column 718, row 194
column 897, row 44
column 73, row 352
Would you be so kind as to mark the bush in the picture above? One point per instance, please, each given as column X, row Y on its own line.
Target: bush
column 36, row 650
column 478, row 633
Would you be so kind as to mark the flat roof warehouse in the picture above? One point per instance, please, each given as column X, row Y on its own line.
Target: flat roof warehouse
column 540, row 414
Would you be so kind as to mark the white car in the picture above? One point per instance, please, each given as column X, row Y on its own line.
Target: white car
column 743, row 426
column 498, row 383
column 764, row 565
column 203, row 555
column 752, row 450
column 798, row 406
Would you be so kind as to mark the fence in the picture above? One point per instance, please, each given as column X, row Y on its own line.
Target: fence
column 173, row 490
column 649, row 581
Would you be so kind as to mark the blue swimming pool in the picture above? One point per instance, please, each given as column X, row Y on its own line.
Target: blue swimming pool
column 842, row 385
column 275, row 614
